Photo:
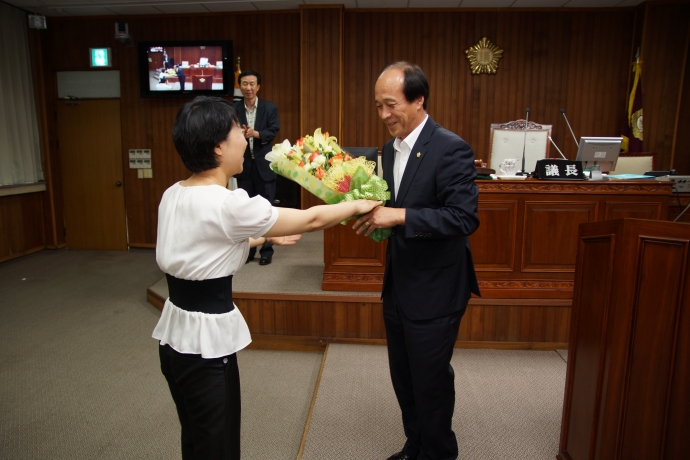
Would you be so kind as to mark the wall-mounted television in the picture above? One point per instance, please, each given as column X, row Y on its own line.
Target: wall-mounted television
column 186, row 68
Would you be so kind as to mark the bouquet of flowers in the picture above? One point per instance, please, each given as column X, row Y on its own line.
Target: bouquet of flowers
column 319, row 165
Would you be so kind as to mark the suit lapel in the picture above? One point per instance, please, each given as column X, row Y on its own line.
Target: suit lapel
column 260, row 111
column 417, row 155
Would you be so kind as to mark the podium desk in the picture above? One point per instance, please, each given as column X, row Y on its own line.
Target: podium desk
column 202, row 81
column 524, row 253
column 526, row 243
column 628, row 374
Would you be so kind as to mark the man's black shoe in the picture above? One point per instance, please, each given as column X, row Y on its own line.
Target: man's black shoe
column 401, row 456
column 249, row 259
column 265, row 261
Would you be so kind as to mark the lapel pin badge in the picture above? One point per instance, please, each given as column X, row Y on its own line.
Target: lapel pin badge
column 419, row 154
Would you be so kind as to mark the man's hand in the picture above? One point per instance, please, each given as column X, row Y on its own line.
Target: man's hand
column 249, row 132
column 379, row 217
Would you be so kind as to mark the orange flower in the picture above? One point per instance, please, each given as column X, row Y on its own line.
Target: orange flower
column 338, row 158
column 319, row 173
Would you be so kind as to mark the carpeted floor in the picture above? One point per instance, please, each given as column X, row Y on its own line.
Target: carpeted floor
column 80, row 379
column 79, row 371
column 508, row 405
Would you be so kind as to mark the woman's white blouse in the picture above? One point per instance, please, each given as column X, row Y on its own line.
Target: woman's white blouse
column 203, row 234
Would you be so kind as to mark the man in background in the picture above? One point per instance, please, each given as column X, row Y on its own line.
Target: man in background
column 429, row 273
column 167, row 61
column 180, row 76
column 260, row 123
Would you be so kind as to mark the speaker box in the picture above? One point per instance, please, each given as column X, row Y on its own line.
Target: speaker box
column 37, row 22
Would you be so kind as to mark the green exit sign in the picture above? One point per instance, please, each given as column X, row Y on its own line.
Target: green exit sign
column 100, row 57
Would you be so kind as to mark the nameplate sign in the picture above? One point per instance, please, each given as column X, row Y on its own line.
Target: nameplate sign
column 559, row 169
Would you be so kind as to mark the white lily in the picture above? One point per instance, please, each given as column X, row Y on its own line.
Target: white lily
column 279, row 151
column 319, row 161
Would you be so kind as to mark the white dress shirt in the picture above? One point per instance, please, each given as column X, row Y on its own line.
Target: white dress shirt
column 403, row 148
column 251, row 119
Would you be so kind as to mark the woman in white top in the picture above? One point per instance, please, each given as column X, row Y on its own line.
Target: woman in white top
column 204, row 235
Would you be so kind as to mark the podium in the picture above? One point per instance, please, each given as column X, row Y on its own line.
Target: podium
column 202, row 81
column 628, row 374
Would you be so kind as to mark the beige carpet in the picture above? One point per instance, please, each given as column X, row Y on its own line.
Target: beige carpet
column 79, row 371
column 80, row 379
column 508, row 405
column 277, row 390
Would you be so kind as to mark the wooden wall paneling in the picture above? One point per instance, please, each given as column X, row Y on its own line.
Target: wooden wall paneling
column 259, row 38
column 596, row 96
column 522, row 322
column 321, row 74
column 543, row 68
column 21, row 225
column 362, row 61
column 680, row 151
column 50, row 228
column 551, row 60
column 681, row 159
column 321, row 69
column 662, row 53
column 515, row 323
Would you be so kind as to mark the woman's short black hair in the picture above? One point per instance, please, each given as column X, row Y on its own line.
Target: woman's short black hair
column 200, row 126
column 247, row 73
column 415, row 83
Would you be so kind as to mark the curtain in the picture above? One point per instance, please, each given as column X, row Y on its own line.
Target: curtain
column 20, row 153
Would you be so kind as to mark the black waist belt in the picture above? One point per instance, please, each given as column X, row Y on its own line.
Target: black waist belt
column 212, row 296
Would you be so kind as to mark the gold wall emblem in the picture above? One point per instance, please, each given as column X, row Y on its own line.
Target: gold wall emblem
column 484, row 57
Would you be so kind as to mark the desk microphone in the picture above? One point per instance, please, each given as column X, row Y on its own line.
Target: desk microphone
column 571, row 129
column 524, row 146
column 559, row 150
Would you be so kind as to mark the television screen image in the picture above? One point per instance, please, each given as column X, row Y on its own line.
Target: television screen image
column 175, row 69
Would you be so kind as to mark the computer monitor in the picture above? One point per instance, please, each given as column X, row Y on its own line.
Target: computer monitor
column 599, row 151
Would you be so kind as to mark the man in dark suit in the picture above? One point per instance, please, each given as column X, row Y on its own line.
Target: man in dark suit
column 180, row 76
column 167, row 61
column 429, row 273
column 260, row 124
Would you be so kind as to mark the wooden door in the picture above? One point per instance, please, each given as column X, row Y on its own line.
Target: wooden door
column 92, row 178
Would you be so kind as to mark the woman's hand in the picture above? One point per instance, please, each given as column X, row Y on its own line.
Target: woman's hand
column 365, row 206
column 285, row 240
